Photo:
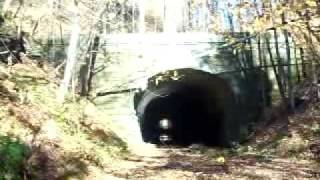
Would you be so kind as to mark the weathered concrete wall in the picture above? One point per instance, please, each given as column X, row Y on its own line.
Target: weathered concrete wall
column 132, row 59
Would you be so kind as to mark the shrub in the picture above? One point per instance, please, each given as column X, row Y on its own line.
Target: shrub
column 12, row 157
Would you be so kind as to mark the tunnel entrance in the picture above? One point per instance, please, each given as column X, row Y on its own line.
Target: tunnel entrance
column 186, row 106
column 181, row 117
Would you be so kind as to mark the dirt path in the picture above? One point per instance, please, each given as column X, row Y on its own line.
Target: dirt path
column 281, row 150
column 193, row 164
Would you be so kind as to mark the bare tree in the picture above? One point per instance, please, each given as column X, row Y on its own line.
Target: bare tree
column 72, row 54
column 273, row 64
column 289, row 66
column 141, row 16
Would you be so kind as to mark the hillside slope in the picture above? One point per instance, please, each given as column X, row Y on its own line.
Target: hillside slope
column 43, row 139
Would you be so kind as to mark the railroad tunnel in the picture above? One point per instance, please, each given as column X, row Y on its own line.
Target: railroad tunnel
column 186, row 106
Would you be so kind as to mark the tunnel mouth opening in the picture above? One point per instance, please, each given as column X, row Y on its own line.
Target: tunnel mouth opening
column 182, row 114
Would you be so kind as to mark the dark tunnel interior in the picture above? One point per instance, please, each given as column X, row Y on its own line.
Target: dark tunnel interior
column 187, row 106
column 185, row 111
column 188, row 116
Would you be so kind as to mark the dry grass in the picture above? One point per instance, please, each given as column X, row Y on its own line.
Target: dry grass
column 62, row 140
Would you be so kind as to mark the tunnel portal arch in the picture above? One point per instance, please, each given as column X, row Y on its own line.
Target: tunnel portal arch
column 200, row 106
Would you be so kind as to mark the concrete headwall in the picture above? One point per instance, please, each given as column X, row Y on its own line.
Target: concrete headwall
column 129, row 60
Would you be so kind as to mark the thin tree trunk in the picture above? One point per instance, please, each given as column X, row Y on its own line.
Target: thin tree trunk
column 123, row 24
column 250, row 52
column 141, row 16
column 230, row 19
column 297, row 64
column 281, row 91
column 84, row 69
column 53, row 43
column 94, row 51
column 279, row 61
column 61, row 36
column 21, row 4
column 237, row 53
column 87, row 71
column 259, row 50
column 133, row 22
column 267, row 96
column 71, row 57
column 289, row 67
column 261, row 64
column 203, row 9
column 303, row 63
column 105, row 33
column 290, row 83
column 314, row 71
column 108, row 25
column 189, row 15
column 243, row 59
column 52, row 31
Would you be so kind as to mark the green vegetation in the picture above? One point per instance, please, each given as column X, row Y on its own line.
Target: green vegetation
column 13, row 155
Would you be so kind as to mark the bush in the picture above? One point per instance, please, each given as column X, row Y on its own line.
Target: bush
column 12, row 157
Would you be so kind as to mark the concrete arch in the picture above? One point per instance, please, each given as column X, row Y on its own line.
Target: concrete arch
column 201, row 107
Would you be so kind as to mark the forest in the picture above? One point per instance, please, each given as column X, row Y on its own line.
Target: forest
column 159, row 89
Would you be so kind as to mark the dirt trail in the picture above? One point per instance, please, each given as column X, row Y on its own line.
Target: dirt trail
column 192, row 164
column 280, row 150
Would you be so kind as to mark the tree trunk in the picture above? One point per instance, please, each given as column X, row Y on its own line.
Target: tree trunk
column 314, row 71
column 133, row 20
column 290, row 83
column 297, row 64
column 259, row 50
column 94, row 51
column 87, row 71
column 230, row 19
column 61, row 36
column 261, row 64
column 281, row 91
column 189, row 15
column 141, row 16
column 51, row 36
column 304, row 66
column 279, row 61
column 71, row 57
column 203, row 15
column 289, row 67
column 249, row 53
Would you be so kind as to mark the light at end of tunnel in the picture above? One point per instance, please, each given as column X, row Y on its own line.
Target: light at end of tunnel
column 165, row 124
